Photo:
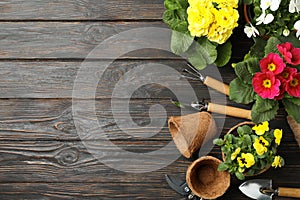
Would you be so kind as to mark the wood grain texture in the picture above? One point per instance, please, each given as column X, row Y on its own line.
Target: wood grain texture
column 74, row 40
column 81, row 10
column 52, row 119
column 52, row 79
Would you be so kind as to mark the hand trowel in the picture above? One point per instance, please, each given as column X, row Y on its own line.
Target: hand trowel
column 261, row 189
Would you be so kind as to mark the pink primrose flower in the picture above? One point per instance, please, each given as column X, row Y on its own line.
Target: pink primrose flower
column 272, row 62
column 293, row 86
column 290, row 53
column 266, row 85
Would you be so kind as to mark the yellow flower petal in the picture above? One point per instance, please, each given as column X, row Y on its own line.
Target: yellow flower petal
column 235, row 153
column 278, row 136
column 246, row 160
column 277, row 162
column 260, row 145
column 261, row 128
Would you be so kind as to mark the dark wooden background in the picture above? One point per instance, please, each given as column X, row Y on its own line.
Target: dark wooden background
column 42, row 44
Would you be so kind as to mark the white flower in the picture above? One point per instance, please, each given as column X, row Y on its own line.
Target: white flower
column 263, row 18
column 286, row 32
column 251, row 31
column 294, row 6
column 272, row 4
column 297, row 27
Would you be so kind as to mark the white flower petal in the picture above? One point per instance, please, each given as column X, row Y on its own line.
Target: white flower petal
column 297, row 25
column 251, row 31
column 261, row 18
column 298, row 34
column 286, row 32
column 265, row 4
column 269, row 18
column 275, row 5
column 294, row 6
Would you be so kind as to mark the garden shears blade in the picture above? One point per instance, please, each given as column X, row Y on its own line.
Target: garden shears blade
column 180, row 187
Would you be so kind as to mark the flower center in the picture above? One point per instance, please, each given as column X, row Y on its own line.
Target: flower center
column 285, row 75
column 294, row 82
column 262, row 142
column 267, row 83
column 271, row 67
column 243, row 160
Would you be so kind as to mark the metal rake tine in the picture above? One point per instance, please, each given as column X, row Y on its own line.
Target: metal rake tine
column 199, row 75
column 195, row 76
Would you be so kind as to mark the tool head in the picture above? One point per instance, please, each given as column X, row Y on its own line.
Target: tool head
column 260, row 189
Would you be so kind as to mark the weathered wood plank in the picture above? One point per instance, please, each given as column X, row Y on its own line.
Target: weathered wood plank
column 61, row 161
column 67, row 40
column 81, row 10
column 24, row 166
column 52, row 119
column 56, row 79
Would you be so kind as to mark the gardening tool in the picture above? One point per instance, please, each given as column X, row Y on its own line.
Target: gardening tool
column 180, row 187
column 212, row 107
column 216, row 108
column 261, row 189
column 207, row 80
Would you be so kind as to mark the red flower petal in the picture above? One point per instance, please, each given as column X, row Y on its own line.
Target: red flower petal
column 272, row 62
column 266, row 85
column 293, row 86
column 290, row 53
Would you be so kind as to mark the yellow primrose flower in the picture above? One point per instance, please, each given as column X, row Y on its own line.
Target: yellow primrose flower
column 246, row 160
column 235, row 153
column 278, row 136
column 212, row 18
column 199, row 19
column 261, row 128
column 277, row 162
column 260, row 145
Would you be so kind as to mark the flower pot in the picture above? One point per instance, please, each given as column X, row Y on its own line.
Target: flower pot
column 190, row 132
column 231, row 130
column 204, row 179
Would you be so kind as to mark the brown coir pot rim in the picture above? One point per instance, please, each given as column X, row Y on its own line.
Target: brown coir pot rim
column 204, row 179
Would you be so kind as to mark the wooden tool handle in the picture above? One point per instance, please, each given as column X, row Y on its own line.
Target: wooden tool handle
column 229, row 110
column 217, row 85
column 288, row 192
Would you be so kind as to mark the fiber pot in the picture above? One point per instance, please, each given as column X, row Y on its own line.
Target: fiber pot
column 204, row 179
column 191, row 131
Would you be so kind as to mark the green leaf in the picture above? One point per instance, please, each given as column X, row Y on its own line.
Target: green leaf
column 180, row 42
column 262, row 105
column 241, row 92
column 257, row 50
column 196, row 59
column 203, row 53
column 241, row 70
column 271, row 46
column 259, row 116
column 292, row 109
column 181, row 26
column 295, row 100
column 172, row 5
column 239, row 175
column 222, row 167
column 247, row 140
column 224, row 54
column 218, row 142
column 244, row 130
column 207, row 49
column 253, row 65
column 292, row 39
